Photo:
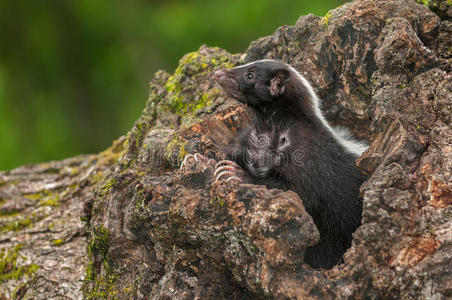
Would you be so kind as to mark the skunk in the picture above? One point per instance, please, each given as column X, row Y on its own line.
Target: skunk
column 291, row 146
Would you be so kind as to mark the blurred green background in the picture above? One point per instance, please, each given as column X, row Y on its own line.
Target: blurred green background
column 74, row 74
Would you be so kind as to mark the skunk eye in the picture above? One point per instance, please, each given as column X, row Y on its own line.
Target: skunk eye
column 283, row 140
column 250, row 75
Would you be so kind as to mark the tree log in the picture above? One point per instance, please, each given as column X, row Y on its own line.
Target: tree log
column 128, row 223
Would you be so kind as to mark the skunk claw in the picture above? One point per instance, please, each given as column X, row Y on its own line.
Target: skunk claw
column 234, row 177
column 198, row 158
column 184, row 162
column 212, row 162
column 228, row 170
column 224, row 168
column 227, row 162
column 223, row 174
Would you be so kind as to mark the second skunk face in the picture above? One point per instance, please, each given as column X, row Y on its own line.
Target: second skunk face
column 265, row 152
column 256, row 83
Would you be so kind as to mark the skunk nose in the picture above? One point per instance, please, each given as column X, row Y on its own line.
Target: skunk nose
column 219, row 74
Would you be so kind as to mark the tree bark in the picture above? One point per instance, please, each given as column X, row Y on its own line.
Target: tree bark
column 128, row 223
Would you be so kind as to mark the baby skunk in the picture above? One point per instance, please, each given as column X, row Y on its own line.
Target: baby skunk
column 259, row 154
column 291, row 146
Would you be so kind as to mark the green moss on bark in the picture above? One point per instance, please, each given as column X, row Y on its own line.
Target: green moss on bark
column 11, row 267
column 180, row 86
column 100, row 278
column 175, row 151
column 439, row 7
column 16, row 224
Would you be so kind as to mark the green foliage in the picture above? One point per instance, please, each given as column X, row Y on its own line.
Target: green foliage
column 73, row 74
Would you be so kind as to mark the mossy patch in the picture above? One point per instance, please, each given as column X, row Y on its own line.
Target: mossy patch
column 188, row 89
column 16, row 224
column 33, row 196
column 10, row 266
column 113, row 153
column 141, row 128
column 96, row 177
column 9, row 213
column 220, row 201
column 52, row 199
column 107, row 187
column 97, row 285
column 46, row 198
column 180, row 99
column 74, row 171
column 326, row 19
column 57, row 242
column 176, row 150
column 439, row 7
column 134, row 140
column 432, row 3
column 180, row 85
column 104, row 288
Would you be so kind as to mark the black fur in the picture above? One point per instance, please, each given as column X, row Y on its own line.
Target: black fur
column 312, row 162
column 262, row 152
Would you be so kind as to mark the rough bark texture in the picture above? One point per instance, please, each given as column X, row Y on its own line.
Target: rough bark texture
column 127, row 223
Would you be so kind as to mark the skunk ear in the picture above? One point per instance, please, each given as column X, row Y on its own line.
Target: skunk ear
column 278, row 83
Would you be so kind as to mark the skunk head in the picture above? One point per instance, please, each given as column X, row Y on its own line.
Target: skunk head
column 256, row 84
